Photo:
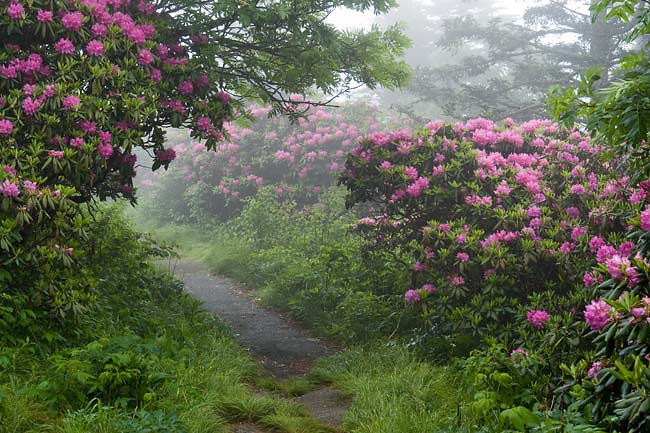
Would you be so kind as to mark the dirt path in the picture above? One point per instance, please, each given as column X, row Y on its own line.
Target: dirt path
column 282, row 348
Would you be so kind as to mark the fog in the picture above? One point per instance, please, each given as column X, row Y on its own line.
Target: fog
column 486, row 58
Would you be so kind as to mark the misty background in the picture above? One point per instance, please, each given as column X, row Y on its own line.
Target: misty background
column 496, row 59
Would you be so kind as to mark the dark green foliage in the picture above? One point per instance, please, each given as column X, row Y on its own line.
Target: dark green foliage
column 123, row 370
column 313, row 266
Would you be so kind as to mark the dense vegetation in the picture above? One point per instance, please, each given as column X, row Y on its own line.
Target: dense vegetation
column 509, row 259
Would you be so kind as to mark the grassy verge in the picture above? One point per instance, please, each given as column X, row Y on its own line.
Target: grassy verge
column 393, row 391
column 144, row 357
column 198, row 381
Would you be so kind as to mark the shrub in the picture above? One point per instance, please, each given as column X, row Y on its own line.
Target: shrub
column 92, row 82
column 298, row 160
column 499, row 222
column 122, row 370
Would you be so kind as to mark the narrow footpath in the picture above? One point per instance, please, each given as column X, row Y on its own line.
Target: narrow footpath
column 282, row 348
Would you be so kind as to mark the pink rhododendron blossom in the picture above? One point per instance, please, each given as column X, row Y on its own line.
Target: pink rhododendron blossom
column 145, row 57
column 156, row 75
column 29, row 185
column 419, row 266
column 567, row 247
column 645, row 219
column 166, row 155
column 186, row 88
column 429, row 288
column 76, row 142
column 503, row 189
column 203, row 124
column 411, row 172
column 619, row 267
column 64, row 46
column 16, row 11
column 457, row 281
column 416, row 188
column 463, row 257
column 578, row 232
column 95, row 48
column 44, row 16
column 105, row 150
column 223, row 97
column 412, row 297
column 594, row 369
column 6, row 127
column 598, row 314
column 533, row 212
column 71, row 102
column 9, row 189
column 538, row 318
column 605, row 252
column 58, row 154
column 31, row 106
column 518, row 355
column 72, row 21
column 99, row 30
column 578, row 189
column 638, row 312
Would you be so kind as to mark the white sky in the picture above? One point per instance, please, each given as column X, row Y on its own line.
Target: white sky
column 346, row 19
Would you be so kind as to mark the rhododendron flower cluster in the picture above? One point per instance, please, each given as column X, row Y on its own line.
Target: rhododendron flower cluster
column 531, row 204
column 538, row 318
column 297, row 160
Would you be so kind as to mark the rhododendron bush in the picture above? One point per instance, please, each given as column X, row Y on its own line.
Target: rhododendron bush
column 298, row 160
column 82, row 84
column 503, row 222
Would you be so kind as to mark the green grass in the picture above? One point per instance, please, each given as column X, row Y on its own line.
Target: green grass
column 395, row 392
column 210, row 382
